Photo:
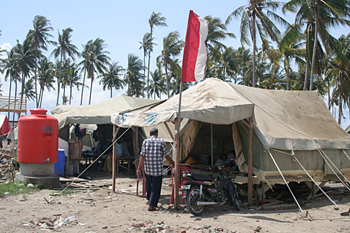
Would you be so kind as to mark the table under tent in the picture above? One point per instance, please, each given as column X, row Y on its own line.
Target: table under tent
column 295, row 138
column 97, row 116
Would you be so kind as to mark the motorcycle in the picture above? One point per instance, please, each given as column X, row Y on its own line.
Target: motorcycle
column 200, row 190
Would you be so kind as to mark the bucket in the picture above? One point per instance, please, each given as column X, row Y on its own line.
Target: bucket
column 59, row 165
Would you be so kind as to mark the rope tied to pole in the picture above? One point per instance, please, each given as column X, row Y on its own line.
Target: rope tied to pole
column 95, row 160
column 324, row 156
column 290, row 190
column 296, row 159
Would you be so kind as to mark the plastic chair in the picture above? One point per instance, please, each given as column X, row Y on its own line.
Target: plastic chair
column 182, row 168
column 140, row 178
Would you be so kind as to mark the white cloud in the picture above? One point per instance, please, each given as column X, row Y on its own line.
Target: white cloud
column 6, row 46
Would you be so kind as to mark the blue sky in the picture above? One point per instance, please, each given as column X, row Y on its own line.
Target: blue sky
column 121, row 24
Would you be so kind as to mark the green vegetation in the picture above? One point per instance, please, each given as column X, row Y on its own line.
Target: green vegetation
column 273, row 54
column 15, row 188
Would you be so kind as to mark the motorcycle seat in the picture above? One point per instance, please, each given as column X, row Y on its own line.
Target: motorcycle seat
column 198, row 176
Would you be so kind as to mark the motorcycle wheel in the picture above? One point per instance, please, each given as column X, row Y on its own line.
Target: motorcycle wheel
column 234, row 199
column 191, row 198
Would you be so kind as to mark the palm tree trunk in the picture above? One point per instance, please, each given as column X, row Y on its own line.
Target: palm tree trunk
column 92, row 79
column 13, row 116
column 59, row 81
column 82, row 88
column 287, row 78
column 144, row 70
column 306, row 75
column 23, row 87
column 149, row 64
column 70, row 93
column 8, row 114
column 64, row 95
column 111, row 92
column 254, row 47
column 42, row 96
column 329, row 96
column 35, row 73
column 167, row 80
column 314, row 51
column 340, row 113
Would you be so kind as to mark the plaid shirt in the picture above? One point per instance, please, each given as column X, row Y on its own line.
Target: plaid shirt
column 154, row 150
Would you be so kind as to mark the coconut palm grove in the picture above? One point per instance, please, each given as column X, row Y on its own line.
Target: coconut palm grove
column 270, row 53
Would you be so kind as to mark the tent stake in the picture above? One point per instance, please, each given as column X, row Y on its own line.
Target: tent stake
column 250, row 163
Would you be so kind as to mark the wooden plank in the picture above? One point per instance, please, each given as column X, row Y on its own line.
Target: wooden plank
column 280, row 207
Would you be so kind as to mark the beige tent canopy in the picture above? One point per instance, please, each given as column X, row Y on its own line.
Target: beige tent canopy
column 100, row 113
column 285, row 122
column 97, row 113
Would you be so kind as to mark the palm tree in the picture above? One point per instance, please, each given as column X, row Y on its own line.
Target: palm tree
column 24, row 55
column 85, row 65
column 66, row 68
column 155, row 20
column 46, row 78
column 340, row 70
column 157, row 85
column 39, row 38
column 111, row 79
column 73, row 79
column 290, row 48
column 172, row 47
column 12, row 72
column 28, row 90
column 133, row 77
column 64, row 48
column 245, row 66
column 254, row 18
column 321, row 16
column 274, row 79
column 147, row 46
column 97, row 59
column 216, row 33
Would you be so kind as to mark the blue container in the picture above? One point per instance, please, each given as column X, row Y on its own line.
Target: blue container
column 59, row 165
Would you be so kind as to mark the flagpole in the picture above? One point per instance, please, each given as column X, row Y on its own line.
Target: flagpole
column 177, row 152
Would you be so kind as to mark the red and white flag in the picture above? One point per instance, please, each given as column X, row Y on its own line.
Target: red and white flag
column 195, row 52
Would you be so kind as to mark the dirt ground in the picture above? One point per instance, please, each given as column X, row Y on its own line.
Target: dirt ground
column 93, row 207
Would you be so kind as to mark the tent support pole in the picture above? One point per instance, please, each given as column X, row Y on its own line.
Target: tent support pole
column 250, row 163
column 115, row 132
column 177, row 155
column 211, row 145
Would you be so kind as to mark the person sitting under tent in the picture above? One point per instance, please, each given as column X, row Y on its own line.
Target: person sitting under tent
column 233, row 160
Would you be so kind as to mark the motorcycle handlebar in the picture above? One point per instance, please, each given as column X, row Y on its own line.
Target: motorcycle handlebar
column 217, row 166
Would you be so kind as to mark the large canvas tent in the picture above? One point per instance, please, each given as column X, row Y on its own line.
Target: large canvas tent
column 100, row 114
column 97, row 113
column 286, row 123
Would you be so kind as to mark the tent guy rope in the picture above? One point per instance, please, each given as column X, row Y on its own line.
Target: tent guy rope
column 296, row 159
column 295, row 199
column 323, row 156
column 95, row 160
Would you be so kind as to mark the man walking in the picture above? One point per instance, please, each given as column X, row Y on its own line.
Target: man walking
column 152, row 153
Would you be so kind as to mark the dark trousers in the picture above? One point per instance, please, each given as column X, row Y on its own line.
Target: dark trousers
column 153, row 188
